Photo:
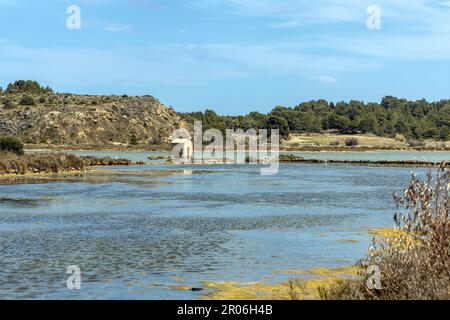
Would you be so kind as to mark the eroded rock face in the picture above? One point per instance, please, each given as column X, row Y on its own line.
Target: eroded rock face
column 90, row 120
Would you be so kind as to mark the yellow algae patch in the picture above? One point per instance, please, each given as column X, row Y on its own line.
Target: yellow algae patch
column 180, row 287
column 343, row 272
column 40, row 174
column 295, row 289
column 396, row 237
column 177, row 279
column 291, row 271
column 349, row 241
column 386, row 232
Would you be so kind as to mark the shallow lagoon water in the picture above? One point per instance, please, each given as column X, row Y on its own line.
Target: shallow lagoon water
column 136, row 235
column 350, row 155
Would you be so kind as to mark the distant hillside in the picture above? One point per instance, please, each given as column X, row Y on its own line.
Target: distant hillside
column 37, row 115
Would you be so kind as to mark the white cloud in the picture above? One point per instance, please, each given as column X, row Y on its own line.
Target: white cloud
column 283, row 58
column 419, row 47
column 171, row 64
column 286, row 24
column 117, row 28
column 420, row 14
column 324, row 78
column 416, row 29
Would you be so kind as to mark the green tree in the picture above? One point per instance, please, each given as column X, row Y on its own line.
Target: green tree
column 26, row 86
column 444, row 133
column 11, row 144
column 403, row 128
column 278, row 123
column 368, row 124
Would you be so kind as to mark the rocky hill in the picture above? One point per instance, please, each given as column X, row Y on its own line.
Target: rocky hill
column 40, row 118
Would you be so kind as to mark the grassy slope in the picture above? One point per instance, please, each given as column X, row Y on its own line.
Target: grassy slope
column 365, row 141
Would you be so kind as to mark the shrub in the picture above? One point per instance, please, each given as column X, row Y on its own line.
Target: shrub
column 334, row 143
column 11, row 144
column 27, row 101
column 415, row 143
column 444, row 133
column 8, row 104
column 414, row 263
column 26, row 86
column 351, row 142
column 133, row 140
column 400, row 138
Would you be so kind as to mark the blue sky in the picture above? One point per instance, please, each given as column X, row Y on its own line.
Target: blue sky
column 234, row 56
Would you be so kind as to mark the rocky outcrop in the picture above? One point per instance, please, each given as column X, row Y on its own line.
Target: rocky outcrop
column 106, row 121
column 94, row 161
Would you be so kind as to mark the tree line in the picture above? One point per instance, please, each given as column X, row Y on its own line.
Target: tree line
column 392, row 116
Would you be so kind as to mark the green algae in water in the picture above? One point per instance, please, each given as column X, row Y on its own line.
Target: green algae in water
column 19, row 201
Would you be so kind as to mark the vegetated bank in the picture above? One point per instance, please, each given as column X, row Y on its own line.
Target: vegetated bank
column 385, row 163
column 13, row 160
column 52, row 163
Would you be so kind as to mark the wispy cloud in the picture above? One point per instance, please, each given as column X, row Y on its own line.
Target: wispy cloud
column 325, row 78
column 117, row 28
column 416, row 29
column 152, row 4
column 169, row 64
column 422, row 47
column 423, row 14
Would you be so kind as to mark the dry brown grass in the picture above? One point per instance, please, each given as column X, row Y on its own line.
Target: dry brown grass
column 365, row 141
column 326, row 140
column 12, row 164
column 39, row 163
